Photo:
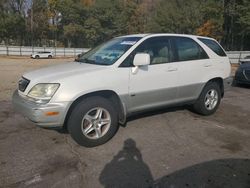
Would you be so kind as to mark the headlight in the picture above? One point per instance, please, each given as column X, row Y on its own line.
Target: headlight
column 42, row 93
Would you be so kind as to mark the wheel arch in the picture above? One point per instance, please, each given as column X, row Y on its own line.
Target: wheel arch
column 218, row 80
column 107, row 94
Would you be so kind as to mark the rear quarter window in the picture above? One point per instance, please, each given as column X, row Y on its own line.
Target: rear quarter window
column 213, row 45
column 187, row 49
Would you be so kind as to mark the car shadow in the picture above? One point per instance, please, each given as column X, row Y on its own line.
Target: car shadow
column 128, row 169
column 222, row 173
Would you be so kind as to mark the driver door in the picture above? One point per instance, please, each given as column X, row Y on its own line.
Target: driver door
column 153, row 85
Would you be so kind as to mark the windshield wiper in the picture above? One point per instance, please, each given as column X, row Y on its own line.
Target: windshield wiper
column 85, row 60
column 89, row 61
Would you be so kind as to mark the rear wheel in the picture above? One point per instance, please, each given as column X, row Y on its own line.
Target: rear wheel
column 93, row 122
column 50, row 56
column 209, row 99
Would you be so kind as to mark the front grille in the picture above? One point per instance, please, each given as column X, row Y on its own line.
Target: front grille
column 23, row 83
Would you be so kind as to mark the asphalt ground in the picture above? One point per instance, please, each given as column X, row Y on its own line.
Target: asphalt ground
column 172, row 148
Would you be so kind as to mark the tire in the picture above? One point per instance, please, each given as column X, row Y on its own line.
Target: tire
column 50, row 57
column 37, row 57
column 83, row 126
column 206, row 103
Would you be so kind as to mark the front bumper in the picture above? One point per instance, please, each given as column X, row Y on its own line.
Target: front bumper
column 227, row 82
column 37, row 112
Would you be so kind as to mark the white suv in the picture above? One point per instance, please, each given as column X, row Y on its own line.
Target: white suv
column 38, row 55
column 126, row 75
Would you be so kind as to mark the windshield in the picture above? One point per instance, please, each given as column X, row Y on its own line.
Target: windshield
column 109, row 52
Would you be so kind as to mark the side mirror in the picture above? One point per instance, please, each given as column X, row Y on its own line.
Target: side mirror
column 141, row 59
column 78, row 57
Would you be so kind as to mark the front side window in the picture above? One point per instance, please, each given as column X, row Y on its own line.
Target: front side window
column 157, row 47
column 109, row 52
column 187, row 49
column 213, row 45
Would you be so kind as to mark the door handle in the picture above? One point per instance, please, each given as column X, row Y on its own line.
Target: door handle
column 172, row 69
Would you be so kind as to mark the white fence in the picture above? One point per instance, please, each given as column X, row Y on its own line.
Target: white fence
column 28, row 50
column 234, row 56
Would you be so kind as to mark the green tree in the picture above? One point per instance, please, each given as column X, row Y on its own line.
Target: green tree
column 178, row 16
column 212, row 19
column 18, row 6
column 244, row 22
column 118, row 17
column 230, row 25
column 85, row 23
column 92, row 31
column 12, row 22
column 72, row 14
column 37, row 23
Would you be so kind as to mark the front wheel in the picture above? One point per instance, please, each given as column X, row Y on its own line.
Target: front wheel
column 93, row 122
column 209, row 99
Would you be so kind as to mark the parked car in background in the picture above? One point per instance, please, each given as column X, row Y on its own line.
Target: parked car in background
column 242, row 75
column 245, row 60
column 123, row 76
column 38, row 55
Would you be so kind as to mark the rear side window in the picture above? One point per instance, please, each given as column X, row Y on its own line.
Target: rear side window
column 213, row 45
column 187, row 49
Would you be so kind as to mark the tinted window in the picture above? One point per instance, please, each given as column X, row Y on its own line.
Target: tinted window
column 187, row 49
column 158, row 48
column 213, row 45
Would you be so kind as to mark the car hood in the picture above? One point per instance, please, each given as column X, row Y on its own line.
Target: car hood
column 57, row 72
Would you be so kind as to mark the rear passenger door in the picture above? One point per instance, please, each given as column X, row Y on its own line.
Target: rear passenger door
column 193, row 62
